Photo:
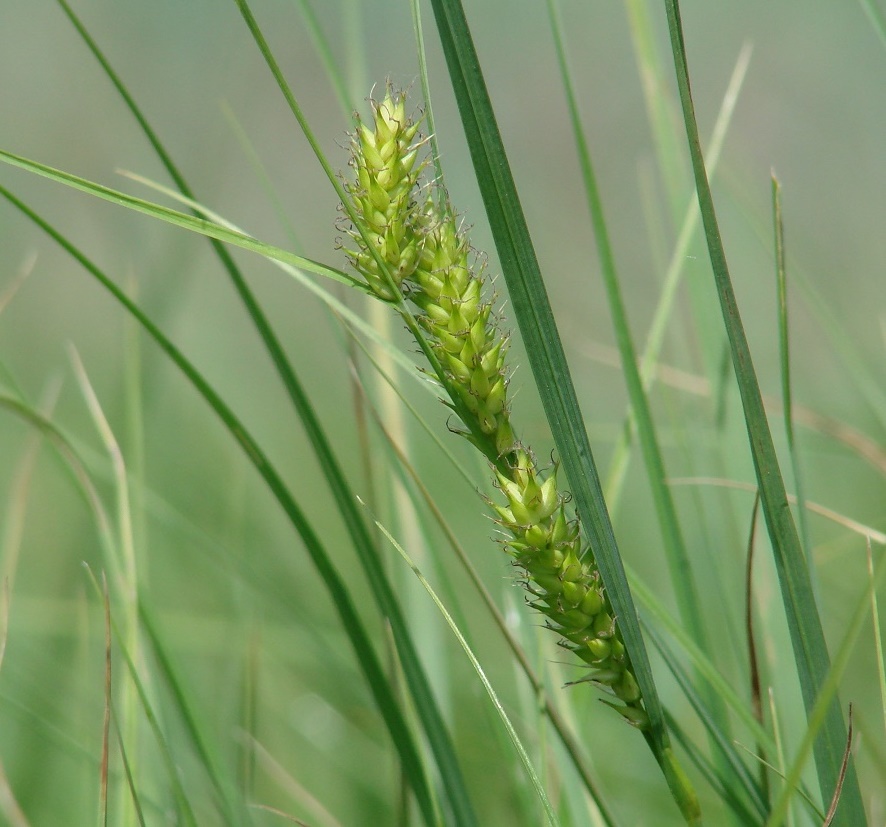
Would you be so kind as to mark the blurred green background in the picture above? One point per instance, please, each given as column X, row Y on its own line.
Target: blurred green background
column 223, row 569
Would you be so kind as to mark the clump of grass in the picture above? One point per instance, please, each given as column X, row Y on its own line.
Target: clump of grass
column 409, row 246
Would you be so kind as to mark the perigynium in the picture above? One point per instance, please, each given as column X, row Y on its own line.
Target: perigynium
column 409, row 246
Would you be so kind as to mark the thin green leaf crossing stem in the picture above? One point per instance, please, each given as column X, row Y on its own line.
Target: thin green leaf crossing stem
column 512, row 733
column 188, row 222
column 549, row 367
column 804, row 623
column 682, row 577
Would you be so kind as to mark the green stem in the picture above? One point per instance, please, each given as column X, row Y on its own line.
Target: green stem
column 678, row 782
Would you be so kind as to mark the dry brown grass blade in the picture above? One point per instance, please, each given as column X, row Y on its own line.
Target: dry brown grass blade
column 859, row 443
column 832, row 810
column 847, row 522
column 756, row 693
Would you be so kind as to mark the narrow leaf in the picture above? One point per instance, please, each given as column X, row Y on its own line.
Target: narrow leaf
column 785, row 361
column 179, row 219
column 548, row 362
column 335, row 584
column 807, row 635
column 506, row 721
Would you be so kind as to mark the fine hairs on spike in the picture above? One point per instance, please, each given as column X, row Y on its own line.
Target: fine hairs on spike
column 427, row 259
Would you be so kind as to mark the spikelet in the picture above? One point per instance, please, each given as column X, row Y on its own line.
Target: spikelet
column 384, row 156
column 431, row 263
column 462, row 330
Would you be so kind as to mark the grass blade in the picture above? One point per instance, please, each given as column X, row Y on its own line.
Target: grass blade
column 661, row 108
column 364, row 544
column 512, row 733
column 878, row 639
column 807, row 635
column 72, row 461
column 235, row 811
column 335, row 584
column 753, row 660
column 877, row 18
column 184, row 811
column 650, row 367
column 740, row 778
column 127, row 580
column 728, row 794
column 548, row 362
column 682, row 579
column 178, row 219
column 785, row 357
column 106, row 718
column 817, row 715
column 10, row 808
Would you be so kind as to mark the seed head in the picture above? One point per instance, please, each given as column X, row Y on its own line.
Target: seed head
column 385, row 158
column 429, row 258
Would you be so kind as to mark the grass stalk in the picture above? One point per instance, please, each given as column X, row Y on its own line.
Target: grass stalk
column 807, row 635
column 127, row 587
column 350, row 618
column 679, row 566
column 785, row 362
column 546, row 357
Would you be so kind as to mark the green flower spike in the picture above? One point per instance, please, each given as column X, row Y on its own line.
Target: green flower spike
column 462, row 331
column 431, row 262
column 562, row 578
column 385, row 158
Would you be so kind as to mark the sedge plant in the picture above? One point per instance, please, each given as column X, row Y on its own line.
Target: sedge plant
column 268, row 661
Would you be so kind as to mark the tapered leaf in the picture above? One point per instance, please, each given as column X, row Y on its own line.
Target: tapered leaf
column 335, row 584
column 532, row 310
column 367, row 551
column 179, row 219
column 804, row 623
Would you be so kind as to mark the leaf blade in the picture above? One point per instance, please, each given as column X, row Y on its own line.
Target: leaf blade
column 807, row 635
column 533, row 312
